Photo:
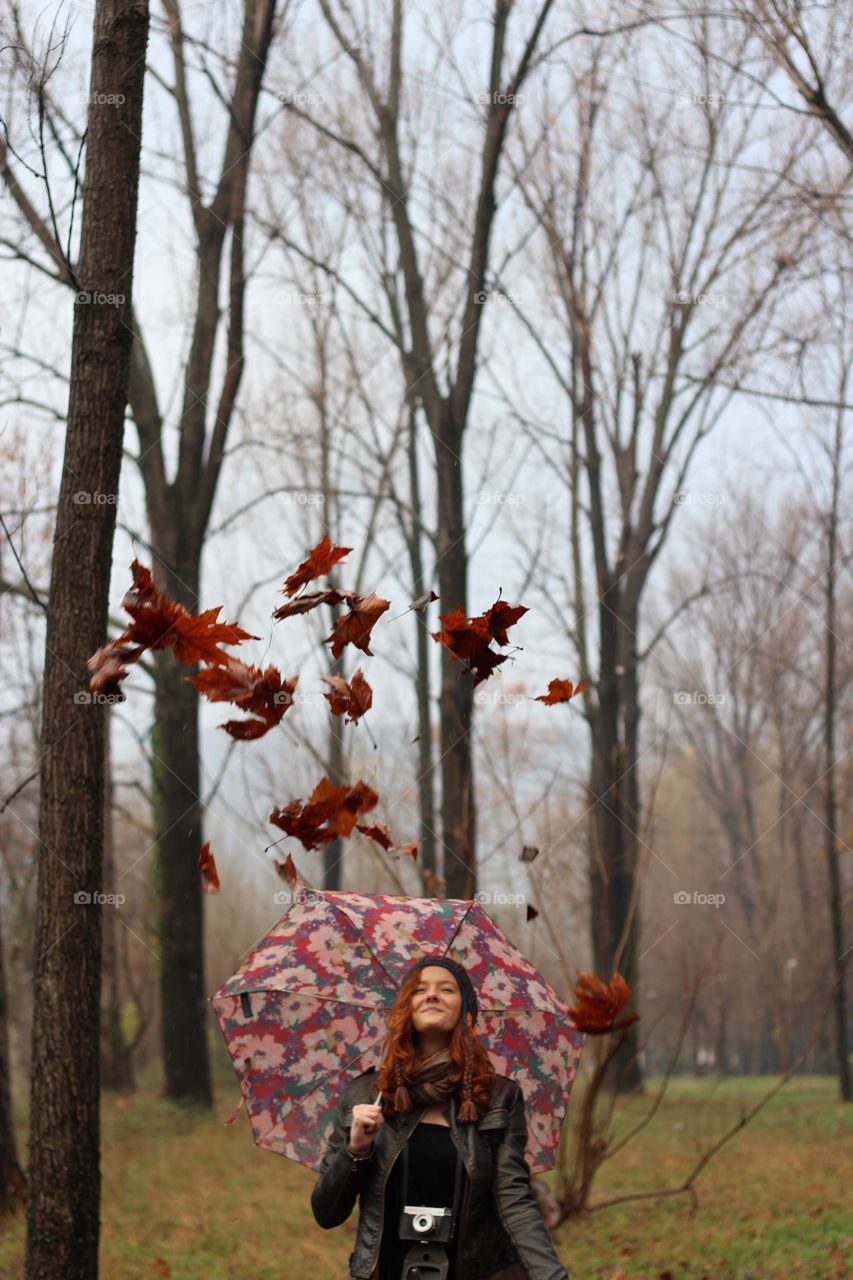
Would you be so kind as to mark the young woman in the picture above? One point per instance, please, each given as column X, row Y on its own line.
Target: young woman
column 437, row 1115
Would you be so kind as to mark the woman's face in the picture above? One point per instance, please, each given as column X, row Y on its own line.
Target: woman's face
column 437, row 1000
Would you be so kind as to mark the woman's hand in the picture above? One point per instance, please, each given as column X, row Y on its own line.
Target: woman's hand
column 367, row 1120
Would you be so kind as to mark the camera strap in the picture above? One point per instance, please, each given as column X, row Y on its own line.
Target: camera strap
column 456, row 1185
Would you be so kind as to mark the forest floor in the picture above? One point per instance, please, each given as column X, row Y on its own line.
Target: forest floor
column 185, row 1198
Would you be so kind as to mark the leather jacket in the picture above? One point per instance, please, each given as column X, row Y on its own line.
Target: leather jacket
column 500, row 1220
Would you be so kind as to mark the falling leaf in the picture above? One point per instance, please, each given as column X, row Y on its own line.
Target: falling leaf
column 207, row 867
column 598, row 1005
column 287, row 872
column 311, row 599
column 337, row 807
column 422, row 601
column 355, row 627
column 160, row 623
column 321, row 560
column 263, row 693
column 354, row 697
column 409, row 850
column 560, row 691
column 529, row 852
column 469, row 639
column 378, row 832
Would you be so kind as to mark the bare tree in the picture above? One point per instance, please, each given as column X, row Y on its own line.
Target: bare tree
column 433, row 314
column 63, row 1209
column 668, row 274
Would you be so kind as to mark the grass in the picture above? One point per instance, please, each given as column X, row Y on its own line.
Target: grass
column 185, row 1198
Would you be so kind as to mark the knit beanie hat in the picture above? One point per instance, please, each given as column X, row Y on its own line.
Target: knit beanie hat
column 468, row 1109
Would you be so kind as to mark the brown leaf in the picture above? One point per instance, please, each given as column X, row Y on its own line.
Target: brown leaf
column 337, row 807
column 207, row 867
column 160, row 623
column 355, row 627
column 354, row 698
column 560, row 691
column 263, row 693
column 469, row 639
column 529, row 852
column 311, row 599
column 321, row 560
column 598, row 1005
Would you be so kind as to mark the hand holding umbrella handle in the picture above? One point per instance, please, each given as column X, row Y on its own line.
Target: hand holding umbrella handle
column 367, row 1120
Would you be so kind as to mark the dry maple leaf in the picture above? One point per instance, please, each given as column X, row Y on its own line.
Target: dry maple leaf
column 409, row 850
column 355, row 627
column 287, row 872
column 311, row 599
column 598, row 1005
column 160, row 623
column 378, row 832
column 337, row 807
column 469, row 639
column 354, row 697
column 320, row 561
column 263, row 693
column 207, row 867
column 560, row 691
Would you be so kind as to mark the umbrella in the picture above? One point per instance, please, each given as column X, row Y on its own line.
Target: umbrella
column 306, row 1012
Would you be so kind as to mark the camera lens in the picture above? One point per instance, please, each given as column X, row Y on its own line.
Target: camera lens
column 423, row 1222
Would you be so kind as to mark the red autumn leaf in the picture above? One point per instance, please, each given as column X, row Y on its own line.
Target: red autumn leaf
column 503, row 615
column 207, row 867
column 160, row 623
column 378, row 832
column 354, row 698
column 560, row 691
column 409, row 850
column 337, row 807
column 598, row 1005
column 311, row 599
column 469, row 639
column 320, row 561
column 263, row 693
column 355, row 627
column 287, row 872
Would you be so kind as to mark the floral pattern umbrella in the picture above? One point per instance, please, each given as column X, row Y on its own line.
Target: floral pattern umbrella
column 306, row 1012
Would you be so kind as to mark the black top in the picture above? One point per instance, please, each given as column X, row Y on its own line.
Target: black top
column 432, row 1174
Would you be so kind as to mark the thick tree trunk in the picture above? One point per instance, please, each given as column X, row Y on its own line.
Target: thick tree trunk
column 178, row 839
column 63, row 1208
column 457, row 766
column 830, row 817
column 116, row 1061
column 614, row 823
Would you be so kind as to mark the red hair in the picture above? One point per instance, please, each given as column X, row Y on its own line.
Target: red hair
column 467, row 1054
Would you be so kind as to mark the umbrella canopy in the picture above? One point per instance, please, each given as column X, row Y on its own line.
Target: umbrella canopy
column 306, row 1012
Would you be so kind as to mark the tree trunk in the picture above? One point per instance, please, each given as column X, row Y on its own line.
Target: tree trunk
column 614, row 822
column 830, row 816
column 63, row 1208
column 116, row 1061
column 178, row 839
column 457, row 766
